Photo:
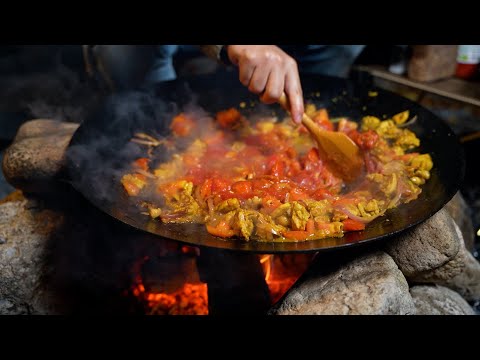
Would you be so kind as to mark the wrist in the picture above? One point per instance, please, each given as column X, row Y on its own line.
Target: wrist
column 224, row 58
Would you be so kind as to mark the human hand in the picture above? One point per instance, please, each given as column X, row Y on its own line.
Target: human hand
column 269, row 71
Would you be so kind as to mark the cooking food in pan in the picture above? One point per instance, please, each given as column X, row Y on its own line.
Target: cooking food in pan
column 261, row 179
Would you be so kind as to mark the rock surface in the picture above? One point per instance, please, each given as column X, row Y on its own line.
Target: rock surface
column 427, row 246
column 446, row 271
column 37, row 154
column 466, row 282
column 439, row 300
column 461, row 214
column 370, row 284
column 25, row 231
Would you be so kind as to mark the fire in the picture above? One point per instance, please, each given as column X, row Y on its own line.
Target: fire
column 169, row 284
column 265, row 260
column 191, row 299
column 188, row 299
column 282, row 271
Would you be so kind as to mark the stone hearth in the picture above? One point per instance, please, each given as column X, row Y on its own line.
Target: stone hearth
column 56, row 258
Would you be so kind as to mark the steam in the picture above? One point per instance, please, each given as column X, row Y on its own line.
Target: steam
column 58, row 94
column 104, row 152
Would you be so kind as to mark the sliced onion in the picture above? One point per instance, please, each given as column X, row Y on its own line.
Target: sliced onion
column 355, row 217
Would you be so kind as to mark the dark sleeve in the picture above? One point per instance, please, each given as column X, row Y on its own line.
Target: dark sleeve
column 214, row 52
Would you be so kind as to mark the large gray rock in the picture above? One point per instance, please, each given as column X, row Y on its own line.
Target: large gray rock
column 461, row 214
column 439, row 300
column 447, row 271
column 466, row 282
column 37, row 154
column 370, row 284
column 24, row 234
column 427, row 246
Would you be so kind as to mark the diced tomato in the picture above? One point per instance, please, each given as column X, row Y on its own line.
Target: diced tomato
column 270, row 203
column 222, row 230
column 133, row 183
column 215, row 138
column 277, row 169
column 365, row 140
column 182, row 125
column 228, row 117
column 279, row 190
column 320, row 225
column 312, row 155
column 291, row 152
column 242, row 189
column 260, row 184
column 310, row 227
column 297, row 194
column 322, row 194
column 142, row 163
column 131, row 189
column 171, row 189
column 298, row 235
column 294, row 168
column 311, row 160
column 346, row 126
column 345, row 201
column 206, row 189
column 353, row 225
column 323, row 120
column 220, row 185
column 189, row 159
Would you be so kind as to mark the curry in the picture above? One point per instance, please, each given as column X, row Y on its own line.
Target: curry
column 265, row 180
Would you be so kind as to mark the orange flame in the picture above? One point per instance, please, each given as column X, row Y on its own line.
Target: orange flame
column 280, row 275
column 265, row 260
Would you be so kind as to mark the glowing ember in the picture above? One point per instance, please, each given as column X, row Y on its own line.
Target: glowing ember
column 191, row 299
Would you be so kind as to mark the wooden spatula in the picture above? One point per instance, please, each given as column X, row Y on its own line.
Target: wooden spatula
column 343, row 153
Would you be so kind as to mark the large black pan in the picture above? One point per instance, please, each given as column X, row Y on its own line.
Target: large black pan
column 101, row 147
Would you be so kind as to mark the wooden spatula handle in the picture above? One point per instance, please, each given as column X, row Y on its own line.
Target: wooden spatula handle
column 306, row 120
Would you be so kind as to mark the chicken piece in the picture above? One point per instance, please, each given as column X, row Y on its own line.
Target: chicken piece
column 265, row 127
column 418, row 169
column 266, row 229
column 370, row 123
column 230, row 118
column 387, row 183
column 245, row 222
column 371, row 208
column 228, row 205
column 400, row 118
column 170, row 170
column 320, row 210
column 183, row 206
column 154, row 212
column 253, row 203
column 133, row 183
column 421, row 162
column 300, row 215
column 339, row 216
column 407, row 140
column 388, row 130
column 310, row 110
column 345, row 125
column 197, row 148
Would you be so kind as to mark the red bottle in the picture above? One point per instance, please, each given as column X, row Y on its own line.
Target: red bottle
column 468, row 59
